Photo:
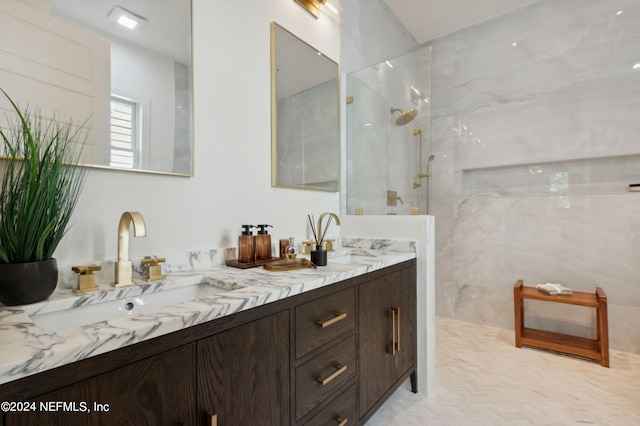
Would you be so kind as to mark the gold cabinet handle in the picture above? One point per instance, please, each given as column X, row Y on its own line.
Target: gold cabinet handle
column 398, row 325
column 333, row 320
column 340, row 369
column 391, row 349
column 341, row 420
column 213, row 419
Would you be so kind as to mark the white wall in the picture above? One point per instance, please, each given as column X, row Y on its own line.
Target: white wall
column 232, row 119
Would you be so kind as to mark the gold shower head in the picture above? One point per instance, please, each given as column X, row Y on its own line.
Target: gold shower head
column 405, row 116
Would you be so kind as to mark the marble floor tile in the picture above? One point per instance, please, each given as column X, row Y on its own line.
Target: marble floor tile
column 483, row 379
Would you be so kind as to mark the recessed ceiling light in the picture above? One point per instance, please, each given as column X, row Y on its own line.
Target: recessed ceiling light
column 636, row 66
column 620, row 12
column 126, row 19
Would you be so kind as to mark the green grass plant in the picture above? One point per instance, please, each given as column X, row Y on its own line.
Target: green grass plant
column 41, row 183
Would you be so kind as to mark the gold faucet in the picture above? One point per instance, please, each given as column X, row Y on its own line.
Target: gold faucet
column 124, row 267
column 320, row 233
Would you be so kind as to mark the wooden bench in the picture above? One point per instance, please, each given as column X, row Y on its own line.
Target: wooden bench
column 597, row 349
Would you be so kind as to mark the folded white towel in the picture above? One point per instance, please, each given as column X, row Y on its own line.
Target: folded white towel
column 554, row 289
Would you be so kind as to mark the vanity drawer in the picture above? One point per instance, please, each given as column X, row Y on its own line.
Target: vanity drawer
column 324, row 320
column 321, row 377
column 341, row 411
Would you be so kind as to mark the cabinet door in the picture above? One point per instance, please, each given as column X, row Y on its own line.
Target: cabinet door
column 156, row 391
column 243, row 374
column 403, row 294
column 376, row 370
column 387, row 347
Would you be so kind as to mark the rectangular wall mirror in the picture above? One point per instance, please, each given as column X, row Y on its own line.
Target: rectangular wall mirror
column 305, row 111
column 77, row 59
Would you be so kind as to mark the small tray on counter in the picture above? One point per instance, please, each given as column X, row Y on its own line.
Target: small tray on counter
column 289, row 265
column 234, row 263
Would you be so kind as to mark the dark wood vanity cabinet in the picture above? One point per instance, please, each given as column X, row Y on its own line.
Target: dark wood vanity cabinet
column 155, row 391
column 329, row 356
column 243, row 374
column 387, row 335
column 325, row 356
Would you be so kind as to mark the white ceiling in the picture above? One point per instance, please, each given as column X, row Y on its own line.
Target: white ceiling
column 168, row 30
column 430, row 19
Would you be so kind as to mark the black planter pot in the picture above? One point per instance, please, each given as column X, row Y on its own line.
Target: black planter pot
column 24, row 283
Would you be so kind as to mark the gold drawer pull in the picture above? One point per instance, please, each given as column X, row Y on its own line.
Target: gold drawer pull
column 340, row 369
column 398, row 325
column 214, row 419
column 333, row 320
column 391, row 349
column 341, row 420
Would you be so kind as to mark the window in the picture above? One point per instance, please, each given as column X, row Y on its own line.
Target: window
column 124, row 133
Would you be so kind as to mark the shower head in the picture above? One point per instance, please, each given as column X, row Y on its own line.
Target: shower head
column 405, row 116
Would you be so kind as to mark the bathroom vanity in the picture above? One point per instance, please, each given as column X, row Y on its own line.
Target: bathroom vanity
column 316, row 347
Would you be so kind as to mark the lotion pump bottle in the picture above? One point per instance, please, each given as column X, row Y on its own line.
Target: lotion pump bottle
column 263, row 243
column 246, row 245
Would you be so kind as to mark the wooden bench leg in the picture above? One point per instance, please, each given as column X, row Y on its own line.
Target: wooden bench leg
column 603, row 326
column 518, row 314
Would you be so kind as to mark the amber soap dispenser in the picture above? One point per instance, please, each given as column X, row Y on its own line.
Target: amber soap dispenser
column 263, row 243
column 246, row 245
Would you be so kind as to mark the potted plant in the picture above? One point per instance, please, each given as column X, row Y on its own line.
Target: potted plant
column 40, row 185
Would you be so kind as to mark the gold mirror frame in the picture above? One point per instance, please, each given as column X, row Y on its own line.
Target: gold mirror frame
column 305, row 142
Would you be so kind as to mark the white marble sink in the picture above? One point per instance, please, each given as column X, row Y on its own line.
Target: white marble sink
column 77, row 316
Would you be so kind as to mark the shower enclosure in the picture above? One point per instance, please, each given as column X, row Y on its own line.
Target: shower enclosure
column 389, row 136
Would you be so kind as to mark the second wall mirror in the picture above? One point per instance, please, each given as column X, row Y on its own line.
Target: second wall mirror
column 305, row 125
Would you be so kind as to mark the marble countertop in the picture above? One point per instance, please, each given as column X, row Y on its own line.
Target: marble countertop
column 25, row 349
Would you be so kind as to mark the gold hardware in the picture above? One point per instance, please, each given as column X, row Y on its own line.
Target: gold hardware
column 213, row 418
column 398, row 325
column 124, row 267
column 154, row 270
column 328, row 245
column 333, row 320
column 86, row 279
column 311, row 6
column 319, row 228
column 308, row 245
column 349, row 99
column 392, row 198
column 340, row 369
column 341, row 420
column 358, row 211
column 391, row 349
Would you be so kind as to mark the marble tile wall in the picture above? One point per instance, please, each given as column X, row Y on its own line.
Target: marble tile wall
column 370, row 33
column 535, row 128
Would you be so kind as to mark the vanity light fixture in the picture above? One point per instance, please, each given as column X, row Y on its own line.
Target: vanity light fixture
column 311, row 6
column 126, row 19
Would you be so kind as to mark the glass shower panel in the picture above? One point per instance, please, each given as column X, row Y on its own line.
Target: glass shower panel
column 389, row 136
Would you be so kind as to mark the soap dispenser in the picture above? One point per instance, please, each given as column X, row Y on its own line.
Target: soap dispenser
column 263, row 243
column 246, row 245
